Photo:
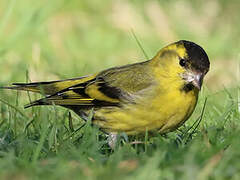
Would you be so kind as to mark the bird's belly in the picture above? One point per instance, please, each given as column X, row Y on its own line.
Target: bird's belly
column 164, row 114
column 176, row 108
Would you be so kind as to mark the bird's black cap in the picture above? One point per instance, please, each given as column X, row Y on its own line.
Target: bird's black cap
column 197, row 57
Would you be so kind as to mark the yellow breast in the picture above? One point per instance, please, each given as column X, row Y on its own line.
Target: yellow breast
column 176, row 107
column 164, row 113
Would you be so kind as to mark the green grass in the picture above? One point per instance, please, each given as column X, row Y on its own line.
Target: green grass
column 49, row 40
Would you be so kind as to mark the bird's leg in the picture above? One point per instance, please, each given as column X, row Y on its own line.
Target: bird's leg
column 112, row 140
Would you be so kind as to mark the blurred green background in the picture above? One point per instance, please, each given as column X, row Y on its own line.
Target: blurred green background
column 57, row 39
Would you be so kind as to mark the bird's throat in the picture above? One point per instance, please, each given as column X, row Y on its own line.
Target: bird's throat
column 187, row 87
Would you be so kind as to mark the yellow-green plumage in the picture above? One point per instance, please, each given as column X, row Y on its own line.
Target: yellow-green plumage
column 156, row 95
column 161, row 105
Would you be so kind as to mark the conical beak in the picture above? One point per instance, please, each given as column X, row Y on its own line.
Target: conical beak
column 198, row 80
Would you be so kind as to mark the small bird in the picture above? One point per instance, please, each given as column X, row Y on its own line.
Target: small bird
column 158, row 95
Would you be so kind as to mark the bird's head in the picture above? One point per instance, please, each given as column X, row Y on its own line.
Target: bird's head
column 186, row 60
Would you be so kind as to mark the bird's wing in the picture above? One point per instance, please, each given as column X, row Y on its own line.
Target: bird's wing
column 108, row 88
column 94, row 92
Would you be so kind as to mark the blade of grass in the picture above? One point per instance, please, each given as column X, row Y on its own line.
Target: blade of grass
column 145, row 140
column 139, row 44
column 15, row 115
column 201, row 117
column 28, row 124
column 14, row 107
column 75, row 132
column 41, row 142
column 70, row 123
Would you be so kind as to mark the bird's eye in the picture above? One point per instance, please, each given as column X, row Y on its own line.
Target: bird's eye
column 182, row 62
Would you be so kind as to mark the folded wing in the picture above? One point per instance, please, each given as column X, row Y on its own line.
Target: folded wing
column 108, row 88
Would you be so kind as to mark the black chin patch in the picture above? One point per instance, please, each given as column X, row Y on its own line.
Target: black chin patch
column 187, row 87
column 197, row 57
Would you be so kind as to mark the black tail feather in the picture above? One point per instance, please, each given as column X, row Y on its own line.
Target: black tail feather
column 39, row 102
